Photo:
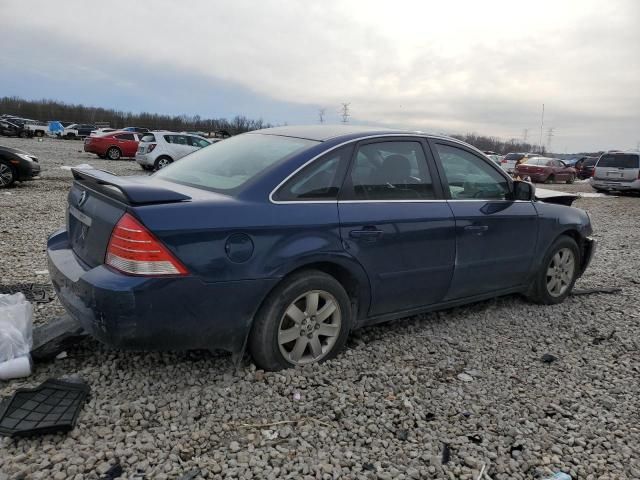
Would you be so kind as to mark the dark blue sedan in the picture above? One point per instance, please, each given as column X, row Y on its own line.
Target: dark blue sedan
column 285, row 239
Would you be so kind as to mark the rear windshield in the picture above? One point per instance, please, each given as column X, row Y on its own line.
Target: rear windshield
column 513, row 156
column 230, row 163
column 148, row 138
column 618, row 161
column 536, row 161
column 589, row 162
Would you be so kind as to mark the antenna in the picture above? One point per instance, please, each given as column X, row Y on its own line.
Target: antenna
column 345, row 112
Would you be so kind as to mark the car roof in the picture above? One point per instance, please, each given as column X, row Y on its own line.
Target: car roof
column 322, row 133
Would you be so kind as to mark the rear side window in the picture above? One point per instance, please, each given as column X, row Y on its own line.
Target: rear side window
column 148, row 138
column 125, row 136
column 318, row 181
column 227, row 165
column 390, row 171
column 624, row 160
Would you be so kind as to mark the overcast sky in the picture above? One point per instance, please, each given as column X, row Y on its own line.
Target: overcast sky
column 443, row 66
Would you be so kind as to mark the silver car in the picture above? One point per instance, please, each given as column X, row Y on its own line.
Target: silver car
column 618, row 171
column 158, row 149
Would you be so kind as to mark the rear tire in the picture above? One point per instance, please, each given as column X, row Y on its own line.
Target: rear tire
column 571, row 179
column 70, row 136
column 162, row 162
column 146, row 168
column 39, row 133
column 558, row 273
column 8, row 175
column 114, row 153
column 550, row 179
column 23, row 134
column 306, row 319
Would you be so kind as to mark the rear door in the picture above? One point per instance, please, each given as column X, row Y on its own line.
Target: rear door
column 495, row 236
column 127, row 143
column 618, row 168
column 394, row 221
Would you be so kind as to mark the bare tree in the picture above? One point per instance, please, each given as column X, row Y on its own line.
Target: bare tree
column 321, row 112
column 345, row 112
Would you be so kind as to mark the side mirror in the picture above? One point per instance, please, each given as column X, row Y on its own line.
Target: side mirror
column 524, row 191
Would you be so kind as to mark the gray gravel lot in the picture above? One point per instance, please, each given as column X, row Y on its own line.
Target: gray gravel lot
column 384, row 409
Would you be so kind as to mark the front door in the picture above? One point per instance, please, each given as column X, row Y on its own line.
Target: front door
column 495, row 236
column 394, row 221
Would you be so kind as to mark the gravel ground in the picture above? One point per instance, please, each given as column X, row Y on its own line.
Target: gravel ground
column 468, row 381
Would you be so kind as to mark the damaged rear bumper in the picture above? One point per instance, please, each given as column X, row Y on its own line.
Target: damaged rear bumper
column 142, row 313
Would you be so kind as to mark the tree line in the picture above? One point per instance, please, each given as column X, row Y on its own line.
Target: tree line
column 47, row 110
column 499, row 145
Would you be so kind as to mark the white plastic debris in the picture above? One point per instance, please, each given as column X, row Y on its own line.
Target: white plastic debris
column 61, row 355
column 15, row 368
column 42, row 272
column 82, row 166
column 297, row 396
column 16, row 326
column 465, row 377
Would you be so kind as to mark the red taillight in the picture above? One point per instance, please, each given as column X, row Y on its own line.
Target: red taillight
column 593, row 172
column 503, row 161
column 151, row 147
column 135, row 250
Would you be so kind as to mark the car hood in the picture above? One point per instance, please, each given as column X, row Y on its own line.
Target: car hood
column 554, row 196
column 14, row 150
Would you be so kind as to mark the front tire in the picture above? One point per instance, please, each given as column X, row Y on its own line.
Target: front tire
column 306, row 319
column 558, row 272
column 114, row 153
column 550, row 179
column 571, row 179
column 7, row 175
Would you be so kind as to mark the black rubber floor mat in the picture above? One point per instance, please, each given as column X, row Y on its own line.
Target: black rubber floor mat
column 51, row 407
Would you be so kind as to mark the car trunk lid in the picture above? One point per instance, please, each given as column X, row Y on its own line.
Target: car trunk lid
column 97, row 201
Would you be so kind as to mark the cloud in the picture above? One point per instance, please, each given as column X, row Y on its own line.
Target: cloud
column 446, row 66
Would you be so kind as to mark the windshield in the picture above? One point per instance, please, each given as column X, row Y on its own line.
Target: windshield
column 618, row 161
column 230, row 163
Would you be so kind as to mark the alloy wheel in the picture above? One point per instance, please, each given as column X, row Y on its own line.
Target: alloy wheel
column 310, row 327
column 560, row 272
column 6, row 175
column 163, row 162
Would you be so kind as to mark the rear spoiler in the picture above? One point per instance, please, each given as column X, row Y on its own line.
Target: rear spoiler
column 130, row 190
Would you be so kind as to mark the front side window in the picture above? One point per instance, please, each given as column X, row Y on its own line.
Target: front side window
column 318, row 181
column 391, row 171
column 198, row 142
column 227, row 165
column 470, row 177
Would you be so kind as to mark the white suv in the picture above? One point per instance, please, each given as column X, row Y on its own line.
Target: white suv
column 618, row 171
column 158, row 149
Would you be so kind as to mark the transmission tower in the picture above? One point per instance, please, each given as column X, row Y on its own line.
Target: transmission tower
column 345, row 112
column 525, row 135
column 549, row 136
column 321, row 112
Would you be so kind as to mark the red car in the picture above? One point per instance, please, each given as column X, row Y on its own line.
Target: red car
column 113, row 145
column 547, row 170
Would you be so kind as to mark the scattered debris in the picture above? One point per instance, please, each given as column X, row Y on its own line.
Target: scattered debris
column 475, row 438
column 297, row 396
column 403, row 435
column 114, row 472
column 465, row 377
column 42, row 272
column 484, row 466
column 548, row 358
column 15, row 368
column 190, row 475
column 369, row 466
column 51, row 339
column 61, row 355
column 588, row 291
column 269, row 434
column 601, row 338
column 85, row 166
column 51, row 407
column 559, row 476
column 446, row 454
column 34, row 292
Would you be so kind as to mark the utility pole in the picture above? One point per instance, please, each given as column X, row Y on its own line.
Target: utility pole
column 549, row 135
column 345, row 112
column 321, row 112
column 541, row 125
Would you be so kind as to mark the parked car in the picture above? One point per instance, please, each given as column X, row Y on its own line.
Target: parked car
column 495, row 158
column 136, row 129
column 102, row 131
column 161, row 148
column 11, row 129
column 584, row 167
column 510, row 160
column 17, row 166
column 37, row 129
column 547, row 170
column 288, row 238
column 619, row 171
column 77, row 130
column 113, row 145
